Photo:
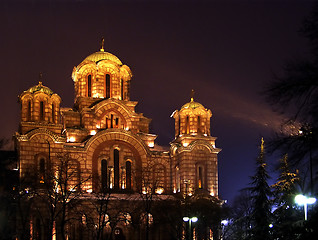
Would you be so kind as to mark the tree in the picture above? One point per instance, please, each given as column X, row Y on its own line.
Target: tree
column 261, row 192
column 295, row 94
column 241, row 216
column 8, row 188
column 209, row 212
column 284, row 191
column 52, row 198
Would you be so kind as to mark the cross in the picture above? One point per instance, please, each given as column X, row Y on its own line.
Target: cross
column 192, row 95
column 102, row 45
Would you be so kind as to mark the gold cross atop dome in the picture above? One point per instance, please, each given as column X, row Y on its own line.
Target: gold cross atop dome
column 192, row 95
column 102, row 45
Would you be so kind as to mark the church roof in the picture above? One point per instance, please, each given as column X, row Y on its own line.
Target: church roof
column 192, row 104
column 40, row 88
column 101, row 55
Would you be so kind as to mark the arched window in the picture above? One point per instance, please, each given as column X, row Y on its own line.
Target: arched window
column 53, row 113
column 199, row 125
column 200, row 177
column 107, row 86
column 29, row 111
column 116, row 168
column 128, row 175
column 42, row 170
column 106, row 123
column 104, row 175
column 111, row 121
column 187, row 125
column 42, row 111
column 89, row 85
column 122, row 89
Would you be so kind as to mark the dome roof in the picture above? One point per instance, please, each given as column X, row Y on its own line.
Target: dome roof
column 40, row 88
column 192, row 104
column 101, row 55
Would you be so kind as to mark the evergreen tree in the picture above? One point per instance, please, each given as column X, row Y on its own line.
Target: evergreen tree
column 261, row 192
column 284, row 191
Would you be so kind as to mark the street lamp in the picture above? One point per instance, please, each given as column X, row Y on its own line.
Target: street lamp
column 224, row 223
column 190, row 220
column 303, row 200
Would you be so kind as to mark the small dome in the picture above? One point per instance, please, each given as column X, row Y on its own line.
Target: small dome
column 101, row 55
column 192, row 104
column 40, row 88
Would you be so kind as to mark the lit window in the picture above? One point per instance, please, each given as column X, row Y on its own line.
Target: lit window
column 187, row 125
column 53, row 113
column 128, row 175
column 122, row 89
column 89, row 86
column 116, row 168
column 104, row 175
column 42, row 170
column 107, row 86
column 42, row 111
column 200, row 177
column 29, row 111
column 199, row 125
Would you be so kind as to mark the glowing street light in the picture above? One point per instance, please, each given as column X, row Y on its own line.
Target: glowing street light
column 190, row 220
column 303, row 200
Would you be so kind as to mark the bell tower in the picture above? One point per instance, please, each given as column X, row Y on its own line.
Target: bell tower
column 40, row 107
column 194, row 154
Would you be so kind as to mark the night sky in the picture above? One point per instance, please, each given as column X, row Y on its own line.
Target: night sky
column 225, row 50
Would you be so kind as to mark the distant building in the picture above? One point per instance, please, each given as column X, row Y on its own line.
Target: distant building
column 102, row 149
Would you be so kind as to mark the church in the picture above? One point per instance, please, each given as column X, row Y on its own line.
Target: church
column 94, row 171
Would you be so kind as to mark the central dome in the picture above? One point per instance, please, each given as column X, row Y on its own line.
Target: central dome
column 101, row 55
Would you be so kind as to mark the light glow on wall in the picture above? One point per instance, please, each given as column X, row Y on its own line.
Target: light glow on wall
column 151, row 144
column 93, row 132
column 159, row 190
column 71, row 139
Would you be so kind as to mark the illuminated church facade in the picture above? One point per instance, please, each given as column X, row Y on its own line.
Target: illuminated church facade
column 107, row 150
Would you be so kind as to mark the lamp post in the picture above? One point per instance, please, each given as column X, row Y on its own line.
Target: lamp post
column 303, row 200
column 224, row 223
column 190, row 220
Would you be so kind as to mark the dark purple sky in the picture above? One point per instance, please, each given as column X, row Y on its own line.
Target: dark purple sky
column 225, row 50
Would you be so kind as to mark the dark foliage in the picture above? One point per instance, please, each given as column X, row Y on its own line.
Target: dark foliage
column 241, row 217
column 295, row 94
column 261, row 205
